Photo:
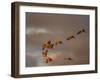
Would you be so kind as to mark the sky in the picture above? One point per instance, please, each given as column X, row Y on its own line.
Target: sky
column 41, row 27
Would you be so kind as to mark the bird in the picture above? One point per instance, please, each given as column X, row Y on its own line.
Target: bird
column 60, row 42
column 48, row 59
column 83, row 30
column 79, row 32
column 68, row 58
column 46, row 45
column 52, row 45
column 43, row 46
column 56, row 43
column 49, row 42
column 45, row 53
column 71, row 37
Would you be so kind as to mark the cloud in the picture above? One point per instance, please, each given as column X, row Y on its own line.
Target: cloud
column 36, row 30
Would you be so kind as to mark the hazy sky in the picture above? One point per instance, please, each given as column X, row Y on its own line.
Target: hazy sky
column 41, row 27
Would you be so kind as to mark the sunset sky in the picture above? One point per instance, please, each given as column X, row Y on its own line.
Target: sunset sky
column 41, row 27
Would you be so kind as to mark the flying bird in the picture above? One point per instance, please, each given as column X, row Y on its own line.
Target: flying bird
column 56, row 43
column 49, row 42
column 45, row 53
column 60, row 42
column 79, row 32
column 83, row 30
column 47, row 45
column 43, row 46
column 71, row 37
column 48, row 59
column 52, row 45
column 68, row 58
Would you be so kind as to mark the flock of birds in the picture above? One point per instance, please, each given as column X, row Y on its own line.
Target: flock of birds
column 49, row 45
